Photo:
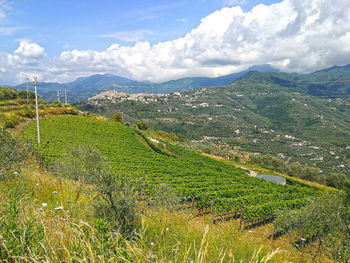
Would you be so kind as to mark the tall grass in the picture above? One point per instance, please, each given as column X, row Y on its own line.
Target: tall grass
column 31, row 232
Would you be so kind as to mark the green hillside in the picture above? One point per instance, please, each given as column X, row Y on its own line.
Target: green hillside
column 16, row 107
column 270, row 113
column 190, row 174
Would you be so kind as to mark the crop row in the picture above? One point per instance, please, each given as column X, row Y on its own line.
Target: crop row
column 190, row 174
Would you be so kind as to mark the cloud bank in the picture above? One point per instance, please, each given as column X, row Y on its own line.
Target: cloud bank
column 294, row 36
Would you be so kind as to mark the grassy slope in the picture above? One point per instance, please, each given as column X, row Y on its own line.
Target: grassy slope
column 71, row 234
column 17, row 110
column 65, row 239
column 190, row 174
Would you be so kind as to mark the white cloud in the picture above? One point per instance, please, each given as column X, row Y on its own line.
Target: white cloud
column 129, row 36
column 234, row 2
column 181, row 20
column 294, row 35
column 7, row 30
column 26, row 54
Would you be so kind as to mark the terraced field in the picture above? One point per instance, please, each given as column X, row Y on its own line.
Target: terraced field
column 190, row 174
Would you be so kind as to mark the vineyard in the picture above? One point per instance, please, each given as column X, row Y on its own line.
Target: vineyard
column 208, row 182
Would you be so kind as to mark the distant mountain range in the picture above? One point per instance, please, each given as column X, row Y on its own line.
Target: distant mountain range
column 331, row 82
column 83, row 88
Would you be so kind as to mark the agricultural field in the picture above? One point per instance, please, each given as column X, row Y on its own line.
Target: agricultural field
column 193, row 177
column 16, row 106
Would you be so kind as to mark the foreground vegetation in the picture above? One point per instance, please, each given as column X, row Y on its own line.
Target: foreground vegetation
column 45, row 218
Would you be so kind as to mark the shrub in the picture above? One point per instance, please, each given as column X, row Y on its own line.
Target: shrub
column 142, row 125
column 11, row 152
column 117, row 117
column 115, row 197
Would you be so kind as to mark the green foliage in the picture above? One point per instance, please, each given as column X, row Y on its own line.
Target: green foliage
column 11, row 152
column 323, row 223
column 188, row 174
column 115, row 197
column 336, row 180
column 165, row 196
column 17, row 234
column 297, row 170
column 264, row 108
column 168, row 136
column 142, row 125
column 117, row 117
column 10, row 94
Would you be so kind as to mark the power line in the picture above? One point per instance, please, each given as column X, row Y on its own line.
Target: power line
column 6, row 7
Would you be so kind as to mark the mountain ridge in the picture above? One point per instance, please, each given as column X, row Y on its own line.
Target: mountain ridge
column 85, row 87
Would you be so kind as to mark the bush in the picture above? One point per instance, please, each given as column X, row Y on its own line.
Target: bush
column 115, row 197
column 295, row 170
column 11, row 152
column 322, row 225
column 164, row 195
column 117, row 117
column 142, row 125
column 336, row 180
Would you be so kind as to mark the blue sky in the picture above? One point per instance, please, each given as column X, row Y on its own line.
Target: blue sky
column 91, row 24
column 159, row 40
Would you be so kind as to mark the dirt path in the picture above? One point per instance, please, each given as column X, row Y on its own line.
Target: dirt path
column 252, row 173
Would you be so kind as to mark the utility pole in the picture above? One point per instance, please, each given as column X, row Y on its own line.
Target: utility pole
column 58, row 96
column 27, row 94
column 37, row 110
column 65, row 97
column 27, row 79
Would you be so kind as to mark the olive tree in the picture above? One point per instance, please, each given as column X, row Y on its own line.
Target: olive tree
column 322, row 224
column 114, row 196
column 11, row 152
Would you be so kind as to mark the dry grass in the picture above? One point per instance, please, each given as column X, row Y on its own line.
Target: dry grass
column 70, row 233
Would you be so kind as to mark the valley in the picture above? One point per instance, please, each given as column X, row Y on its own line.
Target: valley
column 269, row 113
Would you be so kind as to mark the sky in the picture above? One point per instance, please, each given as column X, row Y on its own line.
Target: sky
column 160, row 40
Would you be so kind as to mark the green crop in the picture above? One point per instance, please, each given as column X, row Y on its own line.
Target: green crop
column 190, row 174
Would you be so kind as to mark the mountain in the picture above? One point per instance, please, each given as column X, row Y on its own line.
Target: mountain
column 333, row 82
column 186, row 84
column 85, row 87
column 300, row 118
column 81, row 88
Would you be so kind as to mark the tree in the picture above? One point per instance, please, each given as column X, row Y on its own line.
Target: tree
column 142, row 125
column 11, row 152
column 115, row 197
column 322, row 224
column 336, row 180
column 117, row 117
